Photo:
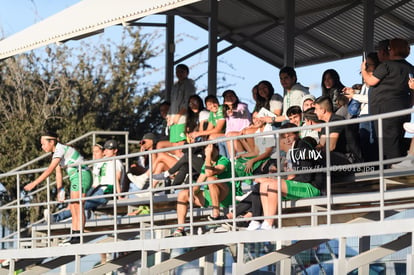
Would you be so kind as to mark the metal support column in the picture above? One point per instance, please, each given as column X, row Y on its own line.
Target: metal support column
column 286, row 264
column 212, row 48
column 368, row 35
column 208, row 264
column 340, row 263
column 289, row 37
column 220, row 262
column 364, row 245
column 169, row 56
column 78, row 264
column 237, row 267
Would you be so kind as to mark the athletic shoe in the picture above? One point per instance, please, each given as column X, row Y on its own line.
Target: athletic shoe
column 408, row 163
column 179, row 232
column 211, row 218
column 265, row 226
column 239, row 224
column 70, row 241
column 253, row 225
column 409, row 127
column 139, row 181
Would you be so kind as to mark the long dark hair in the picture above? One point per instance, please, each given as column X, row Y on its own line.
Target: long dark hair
column 192, row 117
column 261, row 101
column 234, row 105
column 337, row 82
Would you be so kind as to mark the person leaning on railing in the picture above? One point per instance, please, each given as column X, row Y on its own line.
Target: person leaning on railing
column 64, row 155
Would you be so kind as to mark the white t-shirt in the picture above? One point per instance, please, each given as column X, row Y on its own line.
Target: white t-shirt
column 203, row 116
column 264, row 142
column 107, row 172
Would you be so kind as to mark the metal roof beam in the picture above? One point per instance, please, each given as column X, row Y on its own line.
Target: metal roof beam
column 329, row 17
column 248, row 38
column 289, row 33
column 322, row 9
column 260, row 10
column 388, row 14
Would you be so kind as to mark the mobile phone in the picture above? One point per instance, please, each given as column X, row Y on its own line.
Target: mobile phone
column 410, row 75
column 364, row 56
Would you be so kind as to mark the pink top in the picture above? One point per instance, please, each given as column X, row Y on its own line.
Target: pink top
column 240, row 118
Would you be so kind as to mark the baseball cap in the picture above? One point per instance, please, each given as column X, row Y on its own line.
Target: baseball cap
column 150, row 136
column 111, row 144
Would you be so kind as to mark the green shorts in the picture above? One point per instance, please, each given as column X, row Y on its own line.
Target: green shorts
column 240, row 165
column 177, row 133
column 228, row 200
column 297, row 190
column 86, row 181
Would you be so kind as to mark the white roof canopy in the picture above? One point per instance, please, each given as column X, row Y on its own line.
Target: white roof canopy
column 82, row 19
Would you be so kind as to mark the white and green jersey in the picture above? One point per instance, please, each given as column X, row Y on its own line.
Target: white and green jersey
column 68, row 155
column 107, row 173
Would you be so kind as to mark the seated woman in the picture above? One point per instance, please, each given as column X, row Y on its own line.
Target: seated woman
column 255, row 158
column 197, row 117
column 269, row 103
column 237, row 116
column 216, row 121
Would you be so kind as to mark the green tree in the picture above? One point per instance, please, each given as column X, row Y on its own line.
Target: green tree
column 74, row 91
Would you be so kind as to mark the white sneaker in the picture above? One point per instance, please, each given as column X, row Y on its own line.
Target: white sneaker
column 265, row 226
column 253, row 225
column 409, row 127
column 408, row 163
column 139, row 181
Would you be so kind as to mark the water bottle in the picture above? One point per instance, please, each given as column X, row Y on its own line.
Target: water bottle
column 61, row 195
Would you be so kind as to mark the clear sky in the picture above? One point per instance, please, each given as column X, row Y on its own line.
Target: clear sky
column 235, row 67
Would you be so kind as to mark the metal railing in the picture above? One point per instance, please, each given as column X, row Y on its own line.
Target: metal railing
column 377, row 201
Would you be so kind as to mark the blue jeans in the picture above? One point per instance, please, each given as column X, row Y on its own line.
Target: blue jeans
column 90, row 204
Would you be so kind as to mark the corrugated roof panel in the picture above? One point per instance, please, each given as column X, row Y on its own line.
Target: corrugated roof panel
column 340, row 35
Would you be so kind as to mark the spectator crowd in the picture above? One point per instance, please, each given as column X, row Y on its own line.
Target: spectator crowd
column 387, row 86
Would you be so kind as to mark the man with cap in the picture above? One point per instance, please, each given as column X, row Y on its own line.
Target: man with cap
column 148, row 142
column 111, row 169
